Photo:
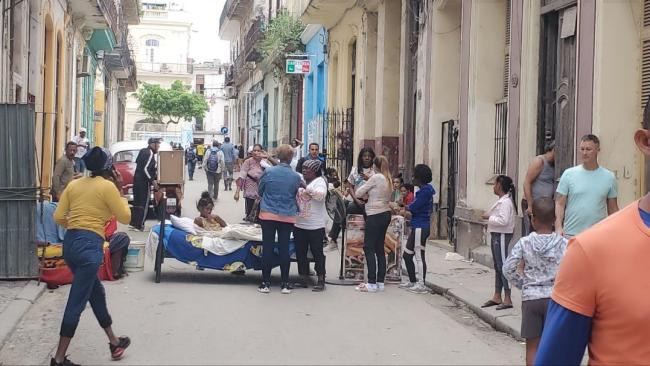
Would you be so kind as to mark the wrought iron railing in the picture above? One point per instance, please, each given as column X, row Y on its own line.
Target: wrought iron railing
column 500, row 137
column 338, row 147
column 253, row 36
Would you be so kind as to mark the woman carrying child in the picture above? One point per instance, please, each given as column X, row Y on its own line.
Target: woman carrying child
column 309, row 230
column 501, row 226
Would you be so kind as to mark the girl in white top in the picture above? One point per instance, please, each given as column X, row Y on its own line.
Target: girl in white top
column 309, row 229
column 378, row 188
column 501, row 226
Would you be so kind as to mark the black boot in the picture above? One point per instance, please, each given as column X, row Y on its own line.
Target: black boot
column 320, row 285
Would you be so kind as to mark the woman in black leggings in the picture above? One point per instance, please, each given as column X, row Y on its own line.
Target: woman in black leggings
column 378, row 189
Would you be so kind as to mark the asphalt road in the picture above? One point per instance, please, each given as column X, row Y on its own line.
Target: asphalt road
column 209, row 317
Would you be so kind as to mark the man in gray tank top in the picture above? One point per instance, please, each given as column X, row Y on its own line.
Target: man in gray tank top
column 539, row 182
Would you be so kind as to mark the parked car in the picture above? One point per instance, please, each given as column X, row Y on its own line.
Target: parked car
column 124, row 155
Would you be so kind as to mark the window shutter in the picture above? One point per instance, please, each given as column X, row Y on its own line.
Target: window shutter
column 506, row 63
column 645, row 73
column 645, row 57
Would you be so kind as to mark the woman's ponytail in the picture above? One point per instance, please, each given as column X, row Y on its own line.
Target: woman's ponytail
column 508, row 186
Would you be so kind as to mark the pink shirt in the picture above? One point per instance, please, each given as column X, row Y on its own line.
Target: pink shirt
column 250, row 168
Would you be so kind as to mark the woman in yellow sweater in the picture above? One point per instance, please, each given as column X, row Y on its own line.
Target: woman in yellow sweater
column 85, row 207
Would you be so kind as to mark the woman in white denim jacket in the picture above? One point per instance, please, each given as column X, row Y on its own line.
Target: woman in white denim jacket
column 501, row 226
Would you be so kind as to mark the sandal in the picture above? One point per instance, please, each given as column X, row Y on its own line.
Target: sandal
column 504, row 306
column 491, row 303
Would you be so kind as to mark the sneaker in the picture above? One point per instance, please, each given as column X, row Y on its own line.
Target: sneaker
column 285, row 289
column 366, row 287
column 264, row 288
column 419, row 288
column 66, row 362
column 117, row 351
column 406, row 285
column 380, row 286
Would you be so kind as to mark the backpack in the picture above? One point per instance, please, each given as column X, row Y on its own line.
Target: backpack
column 190, row 155
column 213, row 161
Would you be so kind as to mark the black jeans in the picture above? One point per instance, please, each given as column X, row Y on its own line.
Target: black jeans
column 141, row 197
column 499, row 246
column 305, row 240
column 351, row 209
column 415, row 249
column 269, row 229
column 373, row 246
column 249, row 202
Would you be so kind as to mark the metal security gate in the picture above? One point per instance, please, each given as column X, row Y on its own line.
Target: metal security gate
column 448, row 181
column 338, row 129
column 17, row 192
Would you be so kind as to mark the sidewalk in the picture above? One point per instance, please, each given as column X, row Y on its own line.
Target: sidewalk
column 471, row 284
column 15, row 299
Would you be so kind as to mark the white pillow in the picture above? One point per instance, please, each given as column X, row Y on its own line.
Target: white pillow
column 184, row 223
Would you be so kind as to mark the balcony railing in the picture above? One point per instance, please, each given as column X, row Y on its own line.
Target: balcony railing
column 112, row 17
column 254, row 35
column 155, row 13
column 229, row 78
column 165, row 68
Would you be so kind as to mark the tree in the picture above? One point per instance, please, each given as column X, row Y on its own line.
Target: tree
column 171, row 105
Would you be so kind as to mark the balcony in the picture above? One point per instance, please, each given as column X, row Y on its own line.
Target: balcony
column 108, row 23
column 229, row 78
column 165, row 68
column 233, row 12
column 253, row 37
column 325, row 12
column 121, row 65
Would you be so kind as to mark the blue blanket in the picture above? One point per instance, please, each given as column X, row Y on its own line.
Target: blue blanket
column 249, row 256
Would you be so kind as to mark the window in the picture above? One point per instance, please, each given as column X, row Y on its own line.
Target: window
column 151, row 46
column 152, row 43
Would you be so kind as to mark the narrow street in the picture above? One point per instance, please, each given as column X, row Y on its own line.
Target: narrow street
column 209, row 317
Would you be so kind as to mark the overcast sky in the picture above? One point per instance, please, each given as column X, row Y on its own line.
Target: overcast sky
column 205, row 44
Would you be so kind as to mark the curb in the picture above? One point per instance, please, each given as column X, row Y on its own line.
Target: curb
column 507, row 323
column 18, row 307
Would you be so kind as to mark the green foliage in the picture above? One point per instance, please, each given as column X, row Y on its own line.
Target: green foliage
column 281, row 37
column 171, row 105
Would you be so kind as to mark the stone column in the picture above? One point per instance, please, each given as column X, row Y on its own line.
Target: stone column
column 388, row 78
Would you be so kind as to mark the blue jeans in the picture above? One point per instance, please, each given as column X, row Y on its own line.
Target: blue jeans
column 83, row 253
column 191, row 165
column 79, row 165
column 269, row 228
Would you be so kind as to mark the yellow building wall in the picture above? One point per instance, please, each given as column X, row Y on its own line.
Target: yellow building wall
column 99, row 118
column 617, row 100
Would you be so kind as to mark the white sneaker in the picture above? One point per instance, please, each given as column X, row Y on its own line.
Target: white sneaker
column 285, row 290
column 264, row 288
column 419, row 288
column 406, row 285
column 380, row 286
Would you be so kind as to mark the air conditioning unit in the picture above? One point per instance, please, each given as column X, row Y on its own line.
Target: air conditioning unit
column 230, row 92
column 84, row 67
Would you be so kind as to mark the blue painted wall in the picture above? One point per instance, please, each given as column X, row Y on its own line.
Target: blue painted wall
column 315, row 87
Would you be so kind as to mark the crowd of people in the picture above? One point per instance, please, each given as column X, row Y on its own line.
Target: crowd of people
column 574, row 281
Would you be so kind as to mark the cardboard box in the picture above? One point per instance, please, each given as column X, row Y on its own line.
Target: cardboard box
column 170, row 167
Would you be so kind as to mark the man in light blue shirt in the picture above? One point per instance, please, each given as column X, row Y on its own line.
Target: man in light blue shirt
column 586, row 193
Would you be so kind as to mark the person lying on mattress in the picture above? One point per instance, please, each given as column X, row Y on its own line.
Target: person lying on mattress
column 206, row 219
